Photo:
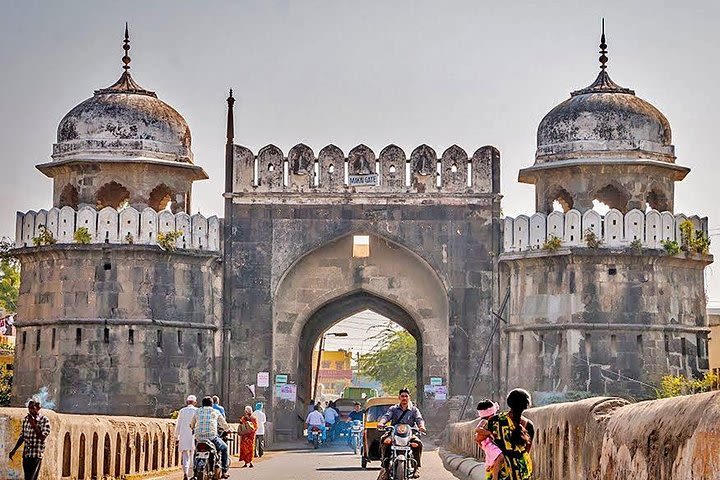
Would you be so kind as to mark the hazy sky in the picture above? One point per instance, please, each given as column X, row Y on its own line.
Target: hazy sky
column 374, row 72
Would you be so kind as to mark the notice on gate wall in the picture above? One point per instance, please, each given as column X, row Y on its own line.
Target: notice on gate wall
column 263, row 379
column 286, row 391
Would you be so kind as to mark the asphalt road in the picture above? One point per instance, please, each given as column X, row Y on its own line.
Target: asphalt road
column 330, row 462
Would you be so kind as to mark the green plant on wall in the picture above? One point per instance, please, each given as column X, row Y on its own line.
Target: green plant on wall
column 636, row 245
column 671, row 247
column 693, row 241
column 129, row 239
column 591, row 239
column 168, row 240
column 44, row 237
column 82, row 236
column 552, row 244
column 674, row 385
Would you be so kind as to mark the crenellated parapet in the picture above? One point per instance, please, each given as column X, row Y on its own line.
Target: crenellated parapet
column 119, row 227
column 613, row 229
column 361, row 170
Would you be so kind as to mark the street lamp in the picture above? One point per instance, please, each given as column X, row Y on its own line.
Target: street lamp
column 320, row 350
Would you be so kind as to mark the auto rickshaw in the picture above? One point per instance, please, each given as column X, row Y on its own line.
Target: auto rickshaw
column 374, row 409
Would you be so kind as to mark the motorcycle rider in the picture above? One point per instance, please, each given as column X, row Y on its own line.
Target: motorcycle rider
column 357, row 413
column 205, row 425
column 402, row 413
column 315, row 419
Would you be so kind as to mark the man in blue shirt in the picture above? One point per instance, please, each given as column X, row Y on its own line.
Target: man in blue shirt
column 216, row 405
column 403, row 413
column 357, row 413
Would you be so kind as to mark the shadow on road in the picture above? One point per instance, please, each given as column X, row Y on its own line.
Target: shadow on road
column 344, row 469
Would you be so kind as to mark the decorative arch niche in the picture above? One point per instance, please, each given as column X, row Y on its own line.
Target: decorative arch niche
column 160, row 197
column 68, row 197
column 112, row 194
column 657, row 200
column 613, row 196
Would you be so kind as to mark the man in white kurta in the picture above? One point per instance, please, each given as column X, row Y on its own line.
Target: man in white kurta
column 184, row 436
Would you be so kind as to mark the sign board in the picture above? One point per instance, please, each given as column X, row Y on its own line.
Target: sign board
column 286, row 392
column 281, row 379
column 363, row 180
column 435, row 381
column 263, row 379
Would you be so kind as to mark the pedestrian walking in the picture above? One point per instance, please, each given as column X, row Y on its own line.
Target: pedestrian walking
column 261, row 418
column 184, row 436
column 247, row 429
column 34, row 432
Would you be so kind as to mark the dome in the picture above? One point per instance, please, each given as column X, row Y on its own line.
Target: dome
column 123, row 120
column 604, row 119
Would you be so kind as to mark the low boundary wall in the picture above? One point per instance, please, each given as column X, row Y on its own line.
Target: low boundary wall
column 93, row 446
column 608, row 438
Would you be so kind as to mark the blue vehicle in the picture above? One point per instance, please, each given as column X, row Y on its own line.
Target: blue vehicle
column 356, row 435
column 314, row 436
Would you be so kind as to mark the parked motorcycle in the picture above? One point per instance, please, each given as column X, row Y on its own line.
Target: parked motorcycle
column 401, row 465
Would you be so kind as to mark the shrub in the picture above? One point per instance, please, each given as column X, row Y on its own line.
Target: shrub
column 167, row 241
column 45, row 237
column 129, row 238
column 591, row 239
column 674, row 385
column 671, row 247
column 82, row 236
column 693, row 241
column 636, row 245
column 552, row 244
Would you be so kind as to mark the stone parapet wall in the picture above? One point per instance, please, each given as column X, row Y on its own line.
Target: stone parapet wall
column 127, row 226
column 422, row 172
column 96, row 446
column 613, row 229
column 606, row 438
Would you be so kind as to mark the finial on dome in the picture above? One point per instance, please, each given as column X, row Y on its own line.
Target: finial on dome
column 126, row 47
column 603, row 48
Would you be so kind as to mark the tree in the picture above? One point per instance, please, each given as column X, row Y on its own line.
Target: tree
column 6, row 377
column 392, row 361
column 9, row 278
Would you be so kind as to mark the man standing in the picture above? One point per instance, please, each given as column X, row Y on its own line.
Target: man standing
column 216, row 405
column 403, row 413
column 184, row 435
column 261, row 418
column 35, row 430
column 205, row 424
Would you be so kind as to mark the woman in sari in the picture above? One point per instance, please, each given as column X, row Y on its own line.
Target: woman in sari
column 248, row 427
column 514, row 434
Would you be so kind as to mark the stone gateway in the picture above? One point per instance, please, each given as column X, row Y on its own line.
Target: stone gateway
column 128, row 302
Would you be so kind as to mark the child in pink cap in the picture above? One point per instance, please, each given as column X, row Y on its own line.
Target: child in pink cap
column 494, row 459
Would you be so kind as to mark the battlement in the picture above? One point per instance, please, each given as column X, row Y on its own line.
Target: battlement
column 613, row 229
column 392, row 171
column 125, row 226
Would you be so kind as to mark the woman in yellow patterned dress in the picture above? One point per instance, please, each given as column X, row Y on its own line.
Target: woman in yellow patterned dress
column 514, row 434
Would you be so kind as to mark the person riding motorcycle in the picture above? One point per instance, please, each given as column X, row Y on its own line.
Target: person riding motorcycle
column 205, row 425
column 403, row 413
column 316, row 419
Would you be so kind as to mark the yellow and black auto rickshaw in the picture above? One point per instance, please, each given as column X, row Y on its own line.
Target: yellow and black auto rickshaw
column 374, row 409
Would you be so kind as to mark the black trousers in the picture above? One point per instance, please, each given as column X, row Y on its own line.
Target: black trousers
column 417, row 451
column 31, row 467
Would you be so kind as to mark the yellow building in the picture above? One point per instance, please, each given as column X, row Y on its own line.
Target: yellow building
column 335, row 370
column 714, row 339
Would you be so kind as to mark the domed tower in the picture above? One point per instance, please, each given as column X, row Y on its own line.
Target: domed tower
column 604, row 300
column 120, row 296
column 123, row 146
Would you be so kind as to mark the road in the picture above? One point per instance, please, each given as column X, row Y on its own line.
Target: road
column 328, row 463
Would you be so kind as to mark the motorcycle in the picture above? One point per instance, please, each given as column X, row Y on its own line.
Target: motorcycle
column 206, row 464
column 315, row 436
column 356, row 431
column 401, row 465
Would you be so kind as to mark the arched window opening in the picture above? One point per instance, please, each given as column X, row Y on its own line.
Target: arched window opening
column 613, row 197
column 161, row 198
column 107, row 455
column 81, row 458
column 162, row 450
column 94, row 457
column 128, row 453
column 118, row 455
column 600, row 207
column 560, row 200
column 138, row 449
column 112, row 195
column 67, row 449
column 68, row 197
column 155, row 453
column 146, row 451
column 657, row 200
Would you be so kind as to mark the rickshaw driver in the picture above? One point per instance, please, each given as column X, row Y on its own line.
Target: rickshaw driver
column 403, row 413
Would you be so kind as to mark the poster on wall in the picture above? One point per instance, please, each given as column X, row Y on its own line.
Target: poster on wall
column 281, row 378
column 286, row 391
column 263, row 379
column 436, row 392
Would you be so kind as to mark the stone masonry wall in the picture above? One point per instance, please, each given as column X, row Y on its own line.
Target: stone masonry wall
column 117, row 329
column 604, row 321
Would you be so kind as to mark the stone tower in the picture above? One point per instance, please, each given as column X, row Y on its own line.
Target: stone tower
column 610, row 311
column 109, row 321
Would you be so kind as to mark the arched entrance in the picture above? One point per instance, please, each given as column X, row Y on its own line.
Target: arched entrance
column 330, row 284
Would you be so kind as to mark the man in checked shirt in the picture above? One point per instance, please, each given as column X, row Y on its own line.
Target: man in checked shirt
column 34, row 432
